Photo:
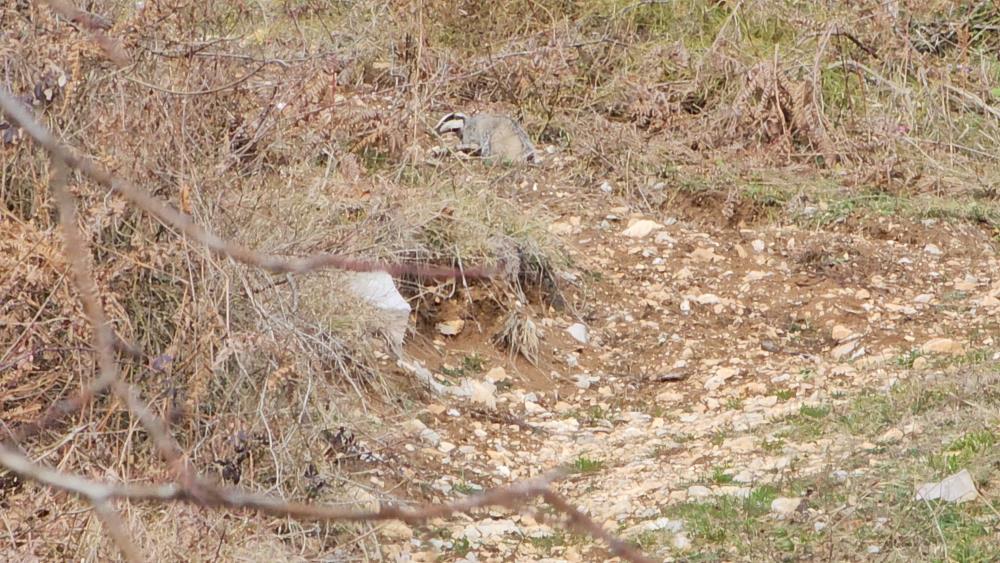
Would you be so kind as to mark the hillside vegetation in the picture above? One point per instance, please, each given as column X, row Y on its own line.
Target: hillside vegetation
column 821, row 180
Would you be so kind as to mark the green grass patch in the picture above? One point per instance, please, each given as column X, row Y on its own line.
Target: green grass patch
column 720, row 477
column 586, row 465
column 784, row 394
column 962, row 451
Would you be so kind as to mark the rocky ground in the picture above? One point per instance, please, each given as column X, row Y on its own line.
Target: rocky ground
column 699, row 362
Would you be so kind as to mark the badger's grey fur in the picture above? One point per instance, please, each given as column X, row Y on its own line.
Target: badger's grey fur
column 489, row 135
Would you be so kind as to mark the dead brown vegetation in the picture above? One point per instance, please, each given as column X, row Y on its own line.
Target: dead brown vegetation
column 299, row 127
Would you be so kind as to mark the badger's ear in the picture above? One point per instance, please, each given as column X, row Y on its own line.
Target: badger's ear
column 450, row 122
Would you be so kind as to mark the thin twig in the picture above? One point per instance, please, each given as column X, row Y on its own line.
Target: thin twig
column 118, row 531
column 585, row 524
column 206, row 92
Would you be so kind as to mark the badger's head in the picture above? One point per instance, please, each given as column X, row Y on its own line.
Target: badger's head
column 453, row 122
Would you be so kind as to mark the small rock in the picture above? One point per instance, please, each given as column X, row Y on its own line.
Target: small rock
column 533, row 408
column 840, row 333
column 672, row 375
column 379, row 289
column 698, row 491
column 655, row 525
column 563, row 407
column 844, row 349
column 720, row 377
column 704, row 255
column 424, row 434
column 560, row 228
column 450, row 328
column 968, row 284
column 708, row 299
column 743, row 444
column 641, row 228
column 957, row 488
column 482, row 392
column 606, row 187
column 395, row 530
column 681, row 541
column 733, row 491
column 664, row 238
column 493, row 529
column 579, row 332
column 758, row 246
column 770, row 346
column 920, row 362
column 497, row 374
column 890, row 436
column 785, row 505
column 933, row 250
column 942, row 346
column 446, row 447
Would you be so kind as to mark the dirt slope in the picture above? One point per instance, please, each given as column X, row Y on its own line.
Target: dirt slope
column 705, row 340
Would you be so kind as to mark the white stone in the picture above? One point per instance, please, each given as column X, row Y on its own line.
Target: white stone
column 416, row 428
column 531, row 408
column 641, row 228
column 743, row 444
column 956, row 488
column 579, row 332
column 493, row 529
column 942, row 346
column 758, row 246
column 708, row 299
column 681, row 541
column 785, row 505
column 379, row 289
column 450, row 328
column 482, row 392
column 844, row 349
column 733, row 491
column 933, row 250
column 840, row 333
column 698, row 491
column 720, row 377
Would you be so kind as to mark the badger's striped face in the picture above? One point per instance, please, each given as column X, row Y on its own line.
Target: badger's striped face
column 451, row 122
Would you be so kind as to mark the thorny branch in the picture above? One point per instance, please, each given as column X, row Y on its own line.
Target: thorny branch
column 189, row 487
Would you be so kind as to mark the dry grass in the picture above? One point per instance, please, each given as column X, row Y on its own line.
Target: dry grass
column 300, row 126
